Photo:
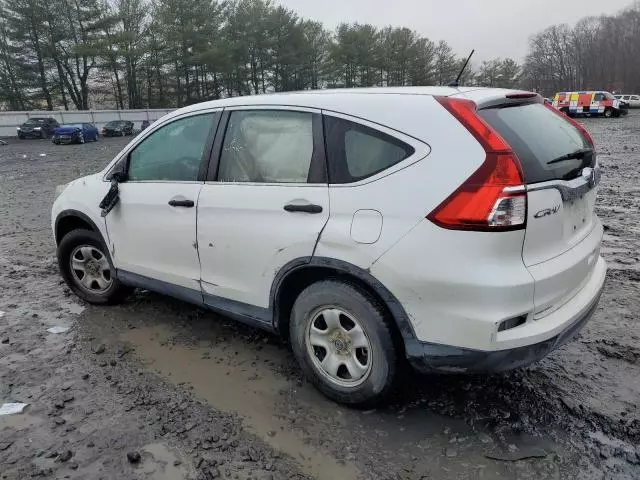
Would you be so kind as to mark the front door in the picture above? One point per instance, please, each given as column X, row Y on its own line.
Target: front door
column 152, row 230
column 265, row 206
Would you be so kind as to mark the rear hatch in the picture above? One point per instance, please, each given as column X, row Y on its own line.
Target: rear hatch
column 559, row 165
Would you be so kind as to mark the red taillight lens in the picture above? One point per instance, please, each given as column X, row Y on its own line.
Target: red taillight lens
column 493, row 198
column 582, row 130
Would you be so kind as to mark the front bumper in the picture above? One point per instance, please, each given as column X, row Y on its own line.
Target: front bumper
column 30, row 134
column 429, row 357
column 65, row 139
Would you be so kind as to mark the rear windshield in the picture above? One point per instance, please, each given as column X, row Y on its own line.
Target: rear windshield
column 539, row 136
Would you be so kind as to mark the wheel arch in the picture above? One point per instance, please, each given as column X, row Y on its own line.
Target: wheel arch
column 69, row 220
column 298, row 274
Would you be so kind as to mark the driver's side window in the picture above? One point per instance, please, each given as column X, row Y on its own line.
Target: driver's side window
column 172, row 153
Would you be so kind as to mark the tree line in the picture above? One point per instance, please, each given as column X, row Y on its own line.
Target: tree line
column 598, row 53
column 80, row 54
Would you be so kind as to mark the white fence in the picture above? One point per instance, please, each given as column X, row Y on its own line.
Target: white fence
column 10, row 120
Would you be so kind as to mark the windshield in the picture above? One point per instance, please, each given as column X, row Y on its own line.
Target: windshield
column 34, row 122
column 72, row 125
column 115, row 123
column 539, row 136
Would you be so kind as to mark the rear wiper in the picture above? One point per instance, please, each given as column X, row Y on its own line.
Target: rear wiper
column 577, row 155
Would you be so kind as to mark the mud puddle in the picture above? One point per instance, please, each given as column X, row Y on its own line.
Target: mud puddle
column 230, row 377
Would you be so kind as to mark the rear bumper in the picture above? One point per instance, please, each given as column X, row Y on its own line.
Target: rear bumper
column 429, row 357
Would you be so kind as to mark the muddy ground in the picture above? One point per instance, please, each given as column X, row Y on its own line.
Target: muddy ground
column 197, row 396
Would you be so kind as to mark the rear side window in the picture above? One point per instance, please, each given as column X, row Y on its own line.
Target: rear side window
column 539, row 136
column 355, row 151
column 267, row 146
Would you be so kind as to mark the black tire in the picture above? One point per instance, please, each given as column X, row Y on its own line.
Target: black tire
column 373, row 321
column 608, row 112
column 116, row 293
column 20, row 137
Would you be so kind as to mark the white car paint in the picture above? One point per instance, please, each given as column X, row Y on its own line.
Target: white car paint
column 455, row 286
column 171, row 231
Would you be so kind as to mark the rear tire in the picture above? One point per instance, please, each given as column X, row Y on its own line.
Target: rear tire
column 357, row 364
column 84, row 260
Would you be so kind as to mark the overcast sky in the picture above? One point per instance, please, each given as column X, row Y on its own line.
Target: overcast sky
column 495, row 28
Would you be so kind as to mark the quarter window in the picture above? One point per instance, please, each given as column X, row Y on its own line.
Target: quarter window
column 267, row 146
column 356, row 152
column 172, row 153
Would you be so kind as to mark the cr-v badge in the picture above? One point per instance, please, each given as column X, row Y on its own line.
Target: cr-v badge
column 547, row 211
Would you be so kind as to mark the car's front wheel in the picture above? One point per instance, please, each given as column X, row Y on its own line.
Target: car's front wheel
column 85, row 266
column 342, row 338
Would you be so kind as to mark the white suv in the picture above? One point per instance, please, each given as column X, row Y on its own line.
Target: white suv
column 454, row 227
column 632, row 101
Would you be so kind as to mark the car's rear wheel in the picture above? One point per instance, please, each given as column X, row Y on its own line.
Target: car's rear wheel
column 343, row 341
column 86, row 267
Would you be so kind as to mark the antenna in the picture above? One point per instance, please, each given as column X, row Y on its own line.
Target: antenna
column 464, row 67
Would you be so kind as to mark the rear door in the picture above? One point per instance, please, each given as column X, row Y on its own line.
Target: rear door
column 264, row 204
column 560, row 168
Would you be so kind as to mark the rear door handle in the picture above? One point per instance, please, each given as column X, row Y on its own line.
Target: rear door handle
column 306, row 208
column 181, row 203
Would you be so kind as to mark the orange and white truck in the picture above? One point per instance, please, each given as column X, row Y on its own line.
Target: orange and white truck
column 598, row 103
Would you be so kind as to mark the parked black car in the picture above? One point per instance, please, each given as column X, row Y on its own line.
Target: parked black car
column 37, row 127
column 117, row 128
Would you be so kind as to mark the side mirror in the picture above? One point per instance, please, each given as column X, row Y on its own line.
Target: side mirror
column 118, row 173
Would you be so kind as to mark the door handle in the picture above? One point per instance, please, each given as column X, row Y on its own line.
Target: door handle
column 306, row 208
column 181, row 203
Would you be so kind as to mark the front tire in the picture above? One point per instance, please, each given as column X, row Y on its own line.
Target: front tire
column 608, row 113
column 86, row 267
column 342, row 339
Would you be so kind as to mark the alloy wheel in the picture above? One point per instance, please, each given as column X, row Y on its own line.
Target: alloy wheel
column 90, row 269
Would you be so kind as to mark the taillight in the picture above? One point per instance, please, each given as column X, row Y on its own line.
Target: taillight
column 494, row 197
column 582, row 130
